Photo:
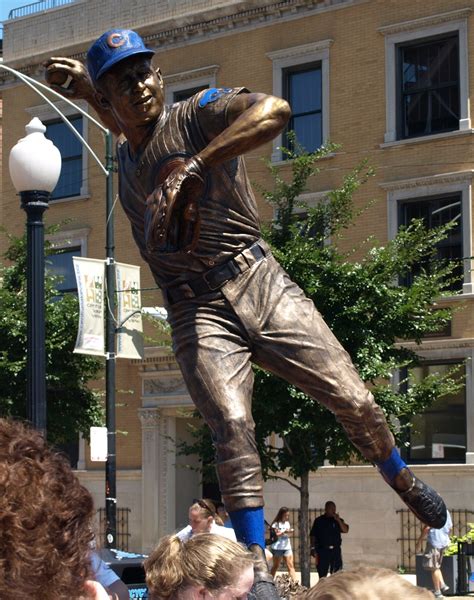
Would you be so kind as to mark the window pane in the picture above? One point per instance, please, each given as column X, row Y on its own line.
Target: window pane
column 436, row 212
column 429, row 87
column 305, row 91
column 417, row 114
column 70, row 179
column 61, row 265
column 308, row 131
column 62, row 137
column 445, row 109
column 439, row 434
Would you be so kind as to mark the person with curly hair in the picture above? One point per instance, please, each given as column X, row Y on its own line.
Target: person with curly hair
column 45, row 521
column 205, row 565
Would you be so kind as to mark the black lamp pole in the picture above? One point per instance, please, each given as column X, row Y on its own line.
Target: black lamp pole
column 34, row 203
column 111, row 463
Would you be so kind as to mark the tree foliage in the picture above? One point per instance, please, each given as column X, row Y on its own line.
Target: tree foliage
column 73, row 406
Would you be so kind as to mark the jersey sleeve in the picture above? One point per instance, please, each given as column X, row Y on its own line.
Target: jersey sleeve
column 211, row 109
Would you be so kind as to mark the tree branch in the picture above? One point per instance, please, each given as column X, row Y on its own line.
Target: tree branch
column 281, row 478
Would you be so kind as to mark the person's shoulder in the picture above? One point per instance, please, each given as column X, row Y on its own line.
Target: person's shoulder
column 320, row 518
column 212, row 95
column 103, row 573
column 184, row 533
column 225, row 532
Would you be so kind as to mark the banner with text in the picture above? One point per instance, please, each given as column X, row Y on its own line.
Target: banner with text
column 90, row 277
column 129, row 316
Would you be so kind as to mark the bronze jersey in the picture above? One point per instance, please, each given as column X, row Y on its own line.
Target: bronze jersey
column 228, row 210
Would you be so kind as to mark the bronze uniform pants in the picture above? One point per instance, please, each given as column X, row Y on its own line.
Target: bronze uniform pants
column 265, row 318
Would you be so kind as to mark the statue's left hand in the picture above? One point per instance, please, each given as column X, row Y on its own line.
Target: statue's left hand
column 172, row 209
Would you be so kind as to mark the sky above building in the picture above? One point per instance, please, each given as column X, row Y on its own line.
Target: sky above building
column 6, row 6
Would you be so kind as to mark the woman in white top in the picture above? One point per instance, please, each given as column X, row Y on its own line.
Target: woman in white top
column 281, row 547
column 203, row 518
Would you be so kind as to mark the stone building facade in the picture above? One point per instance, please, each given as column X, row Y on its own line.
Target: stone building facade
column 392, row 81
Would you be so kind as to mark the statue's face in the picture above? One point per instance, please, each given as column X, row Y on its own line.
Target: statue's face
column 134, row 90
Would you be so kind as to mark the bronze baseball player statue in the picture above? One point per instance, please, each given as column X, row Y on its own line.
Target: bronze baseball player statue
column 184, row 188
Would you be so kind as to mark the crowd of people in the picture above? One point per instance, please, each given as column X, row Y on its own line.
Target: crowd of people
column 47, row 538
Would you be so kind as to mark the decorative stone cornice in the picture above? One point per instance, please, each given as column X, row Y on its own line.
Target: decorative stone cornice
column 297, row 51
column 251, row 17
column 210, row 72
column 424, row 22
column 440, row 179
column 158, row 387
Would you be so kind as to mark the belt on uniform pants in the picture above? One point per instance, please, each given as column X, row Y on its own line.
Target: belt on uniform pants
column 216, row 277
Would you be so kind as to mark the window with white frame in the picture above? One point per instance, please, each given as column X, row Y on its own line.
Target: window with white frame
column 65, row 245
column 437, row 200
column 302, row 88
column 426, row 77
column 437, row 211
column 73, row 180
column 438, row 434
column 301, row 75
column 428, row 86
column 180, row 86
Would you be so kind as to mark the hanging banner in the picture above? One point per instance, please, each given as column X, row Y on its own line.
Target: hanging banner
column 90, row 277
column 129, row 316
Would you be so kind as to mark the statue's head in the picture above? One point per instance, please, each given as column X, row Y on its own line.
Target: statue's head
column 126, row 82
column 113, row 47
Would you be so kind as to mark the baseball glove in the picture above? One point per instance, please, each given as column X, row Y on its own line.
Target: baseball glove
column 172, row 219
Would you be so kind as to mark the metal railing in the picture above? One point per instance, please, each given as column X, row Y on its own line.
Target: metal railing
column 123, row 532
column 30, row 9
column 410, row 528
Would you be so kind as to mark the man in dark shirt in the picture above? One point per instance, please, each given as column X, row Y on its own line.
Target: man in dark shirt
column 326, row 540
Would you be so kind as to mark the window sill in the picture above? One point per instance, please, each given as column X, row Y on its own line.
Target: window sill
column 456, row 298
column 427, row 138
column 282, row 163
column 70, row 199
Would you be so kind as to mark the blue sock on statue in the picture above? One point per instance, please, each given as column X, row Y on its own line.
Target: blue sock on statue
column 391, row 467
column 249, row 525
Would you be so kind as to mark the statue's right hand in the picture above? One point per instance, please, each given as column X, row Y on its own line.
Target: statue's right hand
column 69, row 77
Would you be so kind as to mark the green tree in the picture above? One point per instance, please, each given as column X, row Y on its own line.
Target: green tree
column 73, row 406
column 367, row 310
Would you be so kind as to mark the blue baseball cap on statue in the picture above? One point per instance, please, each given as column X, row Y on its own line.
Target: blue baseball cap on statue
column 112, row 47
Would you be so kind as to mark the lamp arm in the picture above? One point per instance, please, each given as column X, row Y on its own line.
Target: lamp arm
column 35, row 85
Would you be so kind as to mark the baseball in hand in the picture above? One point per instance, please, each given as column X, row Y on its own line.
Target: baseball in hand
column 59, row 78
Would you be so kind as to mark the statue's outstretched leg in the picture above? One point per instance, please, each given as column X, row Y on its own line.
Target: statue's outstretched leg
column 296, row 344
column 420, row 498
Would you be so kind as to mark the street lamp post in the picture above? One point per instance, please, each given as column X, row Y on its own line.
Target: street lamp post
column 108, row 169
column 35, row 165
